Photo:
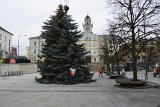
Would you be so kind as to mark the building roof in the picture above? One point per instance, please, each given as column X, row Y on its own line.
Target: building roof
column 5, row 30
column 87, row 17
column 36, row 37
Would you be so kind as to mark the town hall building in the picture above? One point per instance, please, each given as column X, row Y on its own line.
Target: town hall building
column 90, row 40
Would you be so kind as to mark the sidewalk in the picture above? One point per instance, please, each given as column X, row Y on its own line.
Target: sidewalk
column 23, row 91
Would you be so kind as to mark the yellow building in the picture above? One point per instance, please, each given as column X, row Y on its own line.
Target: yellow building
column 28, row 53
column 90, row 40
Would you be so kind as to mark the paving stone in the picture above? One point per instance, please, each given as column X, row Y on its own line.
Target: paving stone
column 23, row 91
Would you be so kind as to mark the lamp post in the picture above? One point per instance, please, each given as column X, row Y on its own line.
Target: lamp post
column 18, row 43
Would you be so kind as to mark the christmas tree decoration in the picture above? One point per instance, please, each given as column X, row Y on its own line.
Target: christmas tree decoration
column 66, row 8
column 61, row 51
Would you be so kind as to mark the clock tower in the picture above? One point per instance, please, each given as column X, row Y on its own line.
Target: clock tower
column 90, row 41
column 87, row 26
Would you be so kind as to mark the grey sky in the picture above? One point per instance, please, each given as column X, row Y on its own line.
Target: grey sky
column 26, row 17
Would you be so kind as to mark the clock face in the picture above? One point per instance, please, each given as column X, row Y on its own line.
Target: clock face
column 87, row 28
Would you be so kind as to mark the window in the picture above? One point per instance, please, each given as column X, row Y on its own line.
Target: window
column 34, row 58
column 0, row 36
column 34, row 43
column 4, row 47
column 138, row 57
column 87, row 38
column 94, row 59
column 34, row 50
column 9, row 44
column 100, row 59
column 0, row 46
column 5, row 38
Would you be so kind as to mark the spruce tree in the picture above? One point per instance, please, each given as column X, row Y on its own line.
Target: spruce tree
column 61, row 50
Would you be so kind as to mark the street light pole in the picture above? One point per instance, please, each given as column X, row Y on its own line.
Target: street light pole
column 18, row 43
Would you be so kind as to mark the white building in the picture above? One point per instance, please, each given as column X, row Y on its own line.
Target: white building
column 5, row 43
column 35, row 48
column 91, row 41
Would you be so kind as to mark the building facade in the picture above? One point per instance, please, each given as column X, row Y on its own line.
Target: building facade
column 91, row 41
column 5, row 43
column 35, row 48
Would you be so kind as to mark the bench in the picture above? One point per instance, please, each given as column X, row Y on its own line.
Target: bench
column 129, row 82
column 12, row 73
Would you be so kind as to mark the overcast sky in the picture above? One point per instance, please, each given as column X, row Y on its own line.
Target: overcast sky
column 26, row 17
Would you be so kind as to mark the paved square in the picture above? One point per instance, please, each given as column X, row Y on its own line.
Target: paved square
column 23, row 91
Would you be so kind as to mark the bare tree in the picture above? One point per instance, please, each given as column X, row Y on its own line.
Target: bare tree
column 113, row 48
column 105, row 52
column 139, row 19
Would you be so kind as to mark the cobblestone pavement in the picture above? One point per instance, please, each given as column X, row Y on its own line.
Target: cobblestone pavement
column 23, row 91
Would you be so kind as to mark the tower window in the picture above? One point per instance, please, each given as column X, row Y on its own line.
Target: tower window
column 5, row 38
column 34, row 43
column 34, row 50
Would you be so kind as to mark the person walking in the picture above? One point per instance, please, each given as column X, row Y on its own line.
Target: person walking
column 100, row 72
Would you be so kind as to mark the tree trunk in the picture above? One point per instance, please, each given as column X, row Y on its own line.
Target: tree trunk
column 134, row 55
column 132, row 26
column 108, row 68
column 118, row 69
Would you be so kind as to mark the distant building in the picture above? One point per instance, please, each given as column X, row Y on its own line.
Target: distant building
column 5, row 43
column 91, row 41
column 28, row 54
column 35, row 48
column 14, row 52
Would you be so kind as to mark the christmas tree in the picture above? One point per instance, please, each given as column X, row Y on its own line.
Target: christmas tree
column 61, row 50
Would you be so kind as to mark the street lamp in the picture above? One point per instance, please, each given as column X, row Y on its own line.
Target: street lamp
column 18, row 42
